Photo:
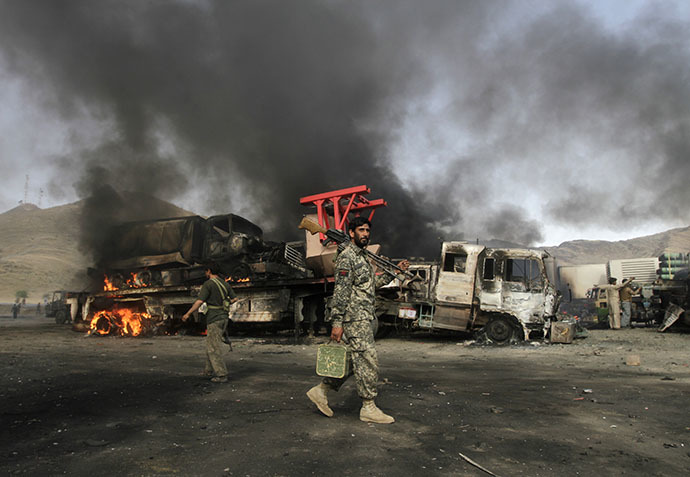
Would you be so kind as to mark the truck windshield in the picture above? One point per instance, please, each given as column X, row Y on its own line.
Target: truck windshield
column 242, row 226
column 524, row 270
column 222, row 226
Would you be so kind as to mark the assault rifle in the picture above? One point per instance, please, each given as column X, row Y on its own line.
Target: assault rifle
column 340, row 237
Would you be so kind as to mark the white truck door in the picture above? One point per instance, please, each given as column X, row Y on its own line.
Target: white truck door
column 457, row 272
column 523, row 288
column 491, row 290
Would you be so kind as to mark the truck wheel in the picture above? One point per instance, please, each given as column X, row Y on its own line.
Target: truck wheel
column 500, row 330
column 60, row 317
column 379, row 330
column 382, row 332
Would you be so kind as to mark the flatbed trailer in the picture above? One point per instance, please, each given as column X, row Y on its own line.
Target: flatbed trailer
column 298, row 303
column 156, row 269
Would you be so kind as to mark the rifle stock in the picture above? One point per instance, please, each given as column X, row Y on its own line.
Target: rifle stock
column 311, row 226
column 340, row 237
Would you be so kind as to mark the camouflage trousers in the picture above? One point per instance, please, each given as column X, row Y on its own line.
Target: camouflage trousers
column 214, row 348
column 365, row 363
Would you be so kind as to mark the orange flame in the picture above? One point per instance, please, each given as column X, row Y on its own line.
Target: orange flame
column 107, row 284
column 119, row 321
column 136, row 280
column 238, row 280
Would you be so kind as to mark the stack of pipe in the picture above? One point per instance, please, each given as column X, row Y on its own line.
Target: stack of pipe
column 670, row 263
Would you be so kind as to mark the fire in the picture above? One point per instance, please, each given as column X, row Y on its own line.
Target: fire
column 119, row 321
column 107, row 284
column 135, row 280
column 238, row 280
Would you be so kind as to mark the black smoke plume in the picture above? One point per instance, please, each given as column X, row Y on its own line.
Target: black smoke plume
column 257, row 103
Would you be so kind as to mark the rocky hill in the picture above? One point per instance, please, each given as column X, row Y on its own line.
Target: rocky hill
column 579, row 252
column 40, row 251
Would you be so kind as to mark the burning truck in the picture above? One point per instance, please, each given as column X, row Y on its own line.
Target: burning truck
column 156, row 269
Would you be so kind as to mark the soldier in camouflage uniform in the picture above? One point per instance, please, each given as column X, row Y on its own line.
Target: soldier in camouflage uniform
column 352, row 314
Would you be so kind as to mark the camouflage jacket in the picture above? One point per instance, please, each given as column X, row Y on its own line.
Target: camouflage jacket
column 355, row 287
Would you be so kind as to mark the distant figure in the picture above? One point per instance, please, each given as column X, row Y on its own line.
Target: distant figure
column 626, row 293
column 614, row 300
column 38, row 308
column 15, row 310
column 23, row 301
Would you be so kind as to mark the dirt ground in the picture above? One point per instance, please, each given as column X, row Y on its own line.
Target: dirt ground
column 80, row 405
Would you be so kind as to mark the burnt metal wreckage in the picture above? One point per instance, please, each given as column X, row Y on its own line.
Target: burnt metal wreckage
column 661, row 304
column 504, row 294
column 665, row 302
column 157, row 267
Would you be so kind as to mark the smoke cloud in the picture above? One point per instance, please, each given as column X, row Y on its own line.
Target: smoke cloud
column 473, row 118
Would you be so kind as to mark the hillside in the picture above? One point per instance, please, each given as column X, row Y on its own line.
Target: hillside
column 40, row 252
column 578, row 252
column 39, row 249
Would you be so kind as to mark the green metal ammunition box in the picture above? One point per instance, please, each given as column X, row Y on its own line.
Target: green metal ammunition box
column 332, row 360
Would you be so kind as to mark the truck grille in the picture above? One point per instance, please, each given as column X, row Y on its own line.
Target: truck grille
column 294, row 257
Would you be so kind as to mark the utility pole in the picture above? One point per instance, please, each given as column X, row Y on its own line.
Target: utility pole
column 26, row 189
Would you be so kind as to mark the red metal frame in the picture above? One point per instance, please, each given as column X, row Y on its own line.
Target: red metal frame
column 356, row 203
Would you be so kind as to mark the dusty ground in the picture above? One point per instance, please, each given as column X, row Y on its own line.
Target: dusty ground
column 78, row 405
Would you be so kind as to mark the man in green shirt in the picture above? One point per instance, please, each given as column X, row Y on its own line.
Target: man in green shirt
column 214, row 291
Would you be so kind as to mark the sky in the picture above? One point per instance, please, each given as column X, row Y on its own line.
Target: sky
column 534, row 122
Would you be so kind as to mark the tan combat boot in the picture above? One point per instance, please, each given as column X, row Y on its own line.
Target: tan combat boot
column 371, row 413
column 318, row 395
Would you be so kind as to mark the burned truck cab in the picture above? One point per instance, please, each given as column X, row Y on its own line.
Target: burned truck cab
column 229, row 239
column 514, row 295
column 229, row 236
column 503, row 293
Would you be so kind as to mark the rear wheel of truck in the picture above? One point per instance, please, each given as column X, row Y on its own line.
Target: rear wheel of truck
column 501, row 330
column 61, row 317
column 379, row 329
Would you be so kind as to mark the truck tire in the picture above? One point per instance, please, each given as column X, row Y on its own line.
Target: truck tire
column 501, row 330
column 61, row 317
column 380, row 330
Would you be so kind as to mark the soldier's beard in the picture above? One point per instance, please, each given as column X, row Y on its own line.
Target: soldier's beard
column 361, row 242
